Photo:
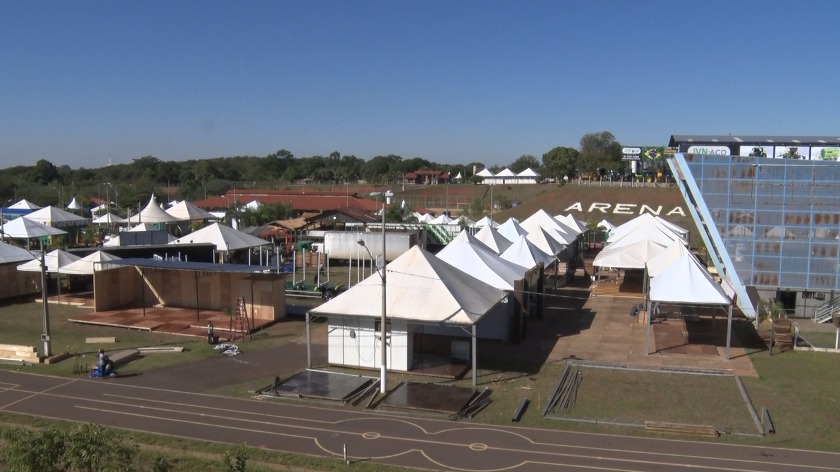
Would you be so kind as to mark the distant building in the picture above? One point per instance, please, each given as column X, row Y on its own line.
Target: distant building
column 508, row 177
column 426, row 177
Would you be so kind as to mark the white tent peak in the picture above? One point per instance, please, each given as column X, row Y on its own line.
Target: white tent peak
column 186, row 211
column 491, row 238
column 25, row 205
column 52, row 216
column 472, row 256
column 74, row 205
column 152, row 213
column 10, row 253
column 224, row 237
column 54, row 261
column 524, row 253
column 511, row 229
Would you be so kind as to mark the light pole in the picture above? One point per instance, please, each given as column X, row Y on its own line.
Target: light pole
column 383, row 353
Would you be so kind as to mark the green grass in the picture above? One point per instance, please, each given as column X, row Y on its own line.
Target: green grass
column 798, row 388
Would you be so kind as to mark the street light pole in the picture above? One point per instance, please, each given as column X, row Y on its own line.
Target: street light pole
column 383, row 353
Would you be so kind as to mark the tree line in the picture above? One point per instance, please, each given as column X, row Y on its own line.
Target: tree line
column 131, row 184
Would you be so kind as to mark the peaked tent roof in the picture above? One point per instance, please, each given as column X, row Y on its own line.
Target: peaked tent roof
column 55, row 260
column 686, row 281
column 74, row 205
column 55, row 217
column 25, row 205
column 153, row 213
column 491, row 238
column 572, row 222
column 525, row 253
column 484, row 173
column 607, row 225
column 645, row 220
column 486, row 221
column 543, row 219
column 671, row 254
column 224, row 237
column 654, row 233
column 442, row 220
column 631, row 256
column 24, row 228
column 548, row 240
column 675, row 228
column 10, row 253
column 87, row 265
column 109, row 218
column 468, row 254
column 186, row 211
column 511, row 229
column 505, row 173
column 528, row 173
column 420, row 287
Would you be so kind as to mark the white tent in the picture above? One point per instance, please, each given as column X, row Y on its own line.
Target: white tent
column 572, row 222
column 10, row 253
column 485, row 173
column 465, row 252
column 56, row 217
column 631, row 256
column 252, row 205
column 152, row 213
column 525, row 253
column 186, row 211
column 644, row 221
column 86, row 265
column 74, row 205
column 607, row 225
column 653, row 233
column 667, row 257
column 442, row 220
column 486, row 221
column 682, row 232
column 224, row 237
column 546, row 239
column 491, row 238
column 25, row 205
column 109, row 218
column 24, row 228
column 54, row 260
column 542, row 218
column 511, row 229
column 143, row 227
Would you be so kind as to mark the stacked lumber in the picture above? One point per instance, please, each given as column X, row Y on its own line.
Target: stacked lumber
column 680, row 428
column 782, row 334
column 23, row 354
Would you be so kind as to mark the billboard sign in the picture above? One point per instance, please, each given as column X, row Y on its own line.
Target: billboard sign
column 631, row 153
column 712, row 150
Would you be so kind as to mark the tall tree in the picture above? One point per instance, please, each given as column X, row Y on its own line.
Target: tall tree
column 599, row 150
column 560, row 162
column 525, row 161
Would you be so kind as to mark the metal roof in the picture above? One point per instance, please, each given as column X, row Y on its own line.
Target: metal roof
column 193, row 266
column 753, row 139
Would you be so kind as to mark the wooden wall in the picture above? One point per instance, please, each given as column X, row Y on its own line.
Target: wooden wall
column 264, row 294
column 16, row 283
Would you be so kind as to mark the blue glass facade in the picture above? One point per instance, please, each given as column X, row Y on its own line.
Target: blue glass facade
column 768, row 223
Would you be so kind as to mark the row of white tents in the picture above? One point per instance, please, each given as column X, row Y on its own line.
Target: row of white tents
column 673, row 274
column 471, row 279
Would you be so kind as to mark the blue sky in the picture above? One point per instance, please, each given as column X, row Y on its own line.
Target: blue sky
column 86, row 82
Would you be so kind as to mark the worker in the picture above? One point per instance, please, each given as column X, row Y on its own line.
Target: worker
column 211, row 338
column 106, row 366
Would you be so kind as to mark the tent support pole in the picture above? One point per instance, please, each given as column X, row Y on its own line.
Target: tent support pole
column 474, row 360
column 729, row 332
column 308, row 342
column 647, row 321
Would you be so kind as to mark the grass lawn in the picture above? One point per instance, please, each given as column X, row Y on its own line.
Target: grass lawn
column 798, row 388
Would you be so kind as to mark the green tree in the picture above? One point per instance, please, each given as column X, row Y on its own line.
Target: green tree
column 526, row 161
column 33, row 451
column 93, row 448
column 599, row 151
column 44, row 172
column 560, row 162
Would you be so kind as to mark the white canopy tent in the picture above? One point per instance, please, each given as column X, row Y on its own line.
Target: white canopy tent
column 442, row 220
column 56, row 217
column 645, row 222
column 74, row 205
column 109, row 219
column 421, row 288
column 630, row 256
column 10, row 253
column 465, row 252
column 87, row 265
column 152, row 213
column 686, row 281
column 186, row 211
column 491, row 238
column 542, row 218
column 525, row 253
column 572, row 222
column 511, row 229
column 25, row 205
column 224, row 237
column 486, row 221
column 54, row 260
column 24, row 228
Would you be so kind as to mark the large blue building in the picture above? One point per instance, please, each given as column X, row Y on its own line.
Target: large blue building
column 771, row 225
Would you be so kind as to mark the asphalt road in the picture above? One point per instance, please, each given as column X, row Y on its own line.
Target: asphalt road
column 381, row 437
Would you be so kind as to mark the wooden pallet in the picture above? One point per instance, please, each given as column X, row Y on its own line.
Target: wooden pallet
column 17, row 353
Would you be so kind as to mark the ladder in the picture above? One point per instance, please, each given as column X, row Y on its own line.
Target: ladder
column 241, row 326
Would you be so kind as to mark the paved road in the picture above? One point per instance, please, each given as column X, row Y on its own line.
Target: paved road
column 370, row 436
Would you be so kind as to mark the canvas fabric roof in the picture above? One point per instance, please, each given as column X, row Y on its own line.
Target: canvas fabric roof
column 442, row 220
column 671, row 254
column 109, row 218
column 25, row 205
column 572, row 222
column 547, row 240
column 687, row 281
column 542, row 218
column 10, row 253
column 486, row 221
column 24, row 228
column 465, row 252
column 186, row 211
column 528, row 173
column 484, row 173
column 56, row 217
column 505, row 173
column 654, row 233
column 152, row 213
column 54, row 260
column 645, row 220
column 490, row 237
column 74, row 205
column 673, row 227
column 631, row 256
column 525, row 253
column 420, row 287
column 511, row 229
column 86, row 265
column 224, row 237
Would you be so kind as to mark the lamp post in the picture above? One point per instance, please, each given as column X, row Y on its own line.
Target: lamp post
column 383, row 353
